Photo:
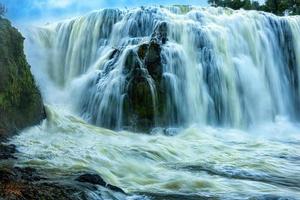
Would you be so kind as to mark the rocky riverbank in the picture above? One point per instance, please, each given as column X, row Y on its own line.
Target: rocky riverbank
column 28, row 183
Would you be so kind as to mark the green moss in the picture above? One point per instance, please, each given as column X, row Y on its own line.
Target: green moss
column 20, row 101
column 142, row 50
column 139, row 113
column 184, row 8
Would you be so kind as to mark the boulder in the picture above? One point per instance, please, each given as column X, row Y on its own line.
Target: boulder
column 144, row 100
column 92, row 179
column 95, row 179
column 7, row 151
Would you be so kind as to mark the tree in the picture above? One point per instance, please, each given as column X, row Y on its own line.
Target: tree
column 255, row 5
column 234, row 4
column 278, row 7
column 293, row 7
column 281, row 7
column 3, row 10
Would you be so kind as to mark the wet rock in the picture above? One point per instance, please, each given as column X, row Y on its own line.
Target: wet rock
column 153, row 61
column 95, row 179
column 29, row 184
column 28, row 191
column 142, row 50
column 132, row 63
column 25, row 183
column 16, row 173
column 7, row 151
column 138, row 100
column 141, row 107
column 28, row 174
column 161, row 32
column 165, row 131
column 91, row 178
column 46, row 191
column 6, row 175
column 145, row 96
column 115, row 188
column 114, row 53
column 137, row 108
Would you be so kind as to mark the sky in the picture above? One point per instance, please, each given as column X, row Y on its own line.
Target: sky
column 37, row 10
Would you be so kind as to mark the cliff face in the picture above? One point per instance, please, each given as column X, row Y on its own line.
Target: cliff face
column 20, row 100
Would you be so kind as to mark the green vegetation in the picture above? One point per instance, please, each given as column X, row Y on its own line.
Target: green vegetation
column 20, row 101
column 278, row 7
column 183, row 8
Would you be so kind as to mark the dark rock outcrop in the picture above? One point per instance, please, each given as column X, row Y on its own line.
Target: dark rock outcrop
column 95, row 179
column 144, row 100
column 20, row 100
column 7, row 151
column 29, row 184
column 26, row 183
column 91, row 178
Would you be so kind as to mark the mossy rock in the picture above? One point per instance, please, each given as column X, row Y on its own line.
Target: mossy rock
column 153, row 61
column 143, row 69
column 142, row 50
column 20, row 100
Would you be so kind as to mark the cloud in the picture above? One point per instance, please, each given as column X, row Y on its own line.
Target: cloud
column 53, row 3
column 60, row 4
column 39, row 10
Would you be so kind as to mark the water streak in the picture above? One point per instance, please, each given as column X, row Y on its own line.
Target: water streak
column 219, row 67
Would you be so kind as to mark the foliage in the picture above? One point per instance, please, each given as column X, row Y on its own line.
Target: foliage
column 235, row 4
column 278, row 7
column 20, row 101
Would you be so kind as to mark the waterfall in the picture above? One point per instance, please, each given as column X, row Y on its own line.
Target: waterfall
column 174, row 66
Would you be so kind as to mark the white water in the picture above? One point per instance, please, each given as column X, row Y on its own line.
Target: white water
column 198, row 162
column 221, row 68
column 237, row 70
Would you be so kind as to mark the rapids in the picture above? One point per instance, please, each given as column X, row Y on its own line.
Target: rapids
column 228, row 127
column 198, row 162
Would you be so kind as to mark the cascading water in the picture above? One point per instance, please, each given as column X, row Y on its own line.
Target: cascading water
column 186, row 67
column 209, row 66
